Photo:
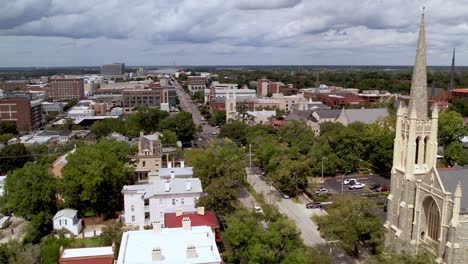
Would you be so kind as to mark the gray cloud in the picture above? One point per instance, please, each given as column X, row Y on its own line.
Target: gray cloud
column 247, row 29
column 266, row 4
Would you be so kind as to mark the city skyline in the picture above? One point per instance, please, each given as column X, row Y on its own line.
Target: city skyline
column 279, row 32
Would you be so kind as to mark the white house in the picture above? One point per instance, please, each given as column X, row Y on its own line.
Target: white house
column 147, row 203
column 67, row 220
column 187, row 244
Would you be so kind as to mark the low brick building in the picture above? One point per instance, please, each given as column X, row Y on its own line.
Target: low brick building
column 93, row 255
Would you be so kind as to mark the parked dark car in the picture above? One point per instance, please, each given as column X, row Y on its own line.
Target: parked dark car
column 313, row 205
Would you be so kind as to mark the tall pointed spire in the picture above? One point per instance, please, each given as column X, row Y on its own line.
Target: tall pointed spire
column 418, row 96
column 452, row 72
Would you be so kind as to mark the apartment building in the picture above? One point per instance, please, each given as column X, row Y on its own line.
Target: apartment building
column 160, row 98
column 113, row 70
column 196, row 84
column 61, row 88
column 26, row 113
column 149, row 156
column 146, row 203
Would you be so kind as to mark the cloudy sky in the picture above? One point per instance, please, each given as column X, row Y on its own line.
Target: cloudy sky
column 229, row 32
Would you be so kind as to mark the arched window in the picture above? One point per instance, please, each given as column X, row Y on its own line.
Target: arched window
column 432, row 218
column 417, row 150
column 426, row 141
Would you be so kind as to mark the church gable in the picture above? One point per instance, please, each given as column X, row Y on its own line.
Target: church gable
column 432, row 179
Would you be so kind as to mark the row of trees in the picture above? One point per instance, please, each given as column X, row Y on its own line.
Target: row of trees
column 147, row 120
column 248, row 236
column 292, row 154
column 92, row 181
column 395, row 81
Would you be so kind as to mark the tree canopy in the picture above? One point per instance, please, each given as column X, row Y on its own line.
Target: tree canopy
column 94, row 176
column 14, row 156
column 351, row 219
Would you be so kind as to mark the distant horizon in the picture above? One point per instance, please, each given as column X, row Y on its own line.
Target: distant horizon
column 234, row 65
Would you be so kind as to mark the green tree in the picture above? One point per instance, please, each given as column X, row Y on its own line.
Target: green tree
column 221, row 198
column 451, row 128
column 5, row 137
column 106, row 126
column 459, row 105
column 248, row 241
column 218, row 118
column 94, row 176
column 30, row 191
column 225, row 161
column 8, row 127
column 14, row 156
column 351, row 220
column 181, row 124
column 199, row 96
column 236, row 131
column 169, row 138
column 454, row 154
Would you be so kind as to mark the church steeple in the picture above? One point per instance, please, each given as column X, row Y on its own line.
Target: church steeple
column 418, row 96
column 452, row 73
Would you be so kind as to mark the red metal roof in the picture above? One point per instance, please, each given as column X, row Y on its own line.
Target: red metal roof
column 460, row 90
column 209, row 219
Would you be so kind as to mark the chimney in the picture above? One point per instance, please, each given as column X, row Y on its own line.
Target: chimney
column 191, row 251
column 201, row 210
column 188, row 186
column 172, row 174
column 179, row 212
column 157, row 226
column 169, row 164
column 182, row 164
column 167, row 186
column 157, row 255
column 186, row 223
column 113, row 248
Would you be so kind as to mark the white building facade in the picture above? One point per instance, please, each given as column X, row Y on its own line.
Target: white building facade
column 146, row 203
column 67, row 220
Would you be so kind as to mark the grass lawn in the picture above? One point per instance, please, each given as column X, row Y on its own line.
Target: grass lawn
column 88, row 242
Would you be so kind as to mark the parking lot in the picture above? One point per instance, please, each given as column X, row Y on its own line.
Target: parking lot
column 333, row 184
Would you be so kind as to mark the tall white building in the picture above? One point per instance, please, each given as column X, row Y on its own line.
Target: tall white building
column 147, row 203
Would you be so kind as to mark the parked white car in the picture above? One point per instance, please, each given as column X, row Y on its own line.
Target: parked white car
column 258, row 209
column 321, row 190
column 348, row 181
column 357, row 185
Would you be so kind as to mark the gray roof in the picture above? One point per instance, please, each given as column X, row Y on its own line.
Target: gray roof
column 434, row 92
column 365, row 116
column 178, row 172
column 328, row 113
column 67, row 212
column 299, row 115
column 63, row 133
column 158, row 187
column 176, row 186
column 450, row 178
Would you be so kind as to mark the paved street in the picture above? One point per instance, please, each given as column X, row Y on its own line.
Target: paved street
column 296, row 211
column 186, row 104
